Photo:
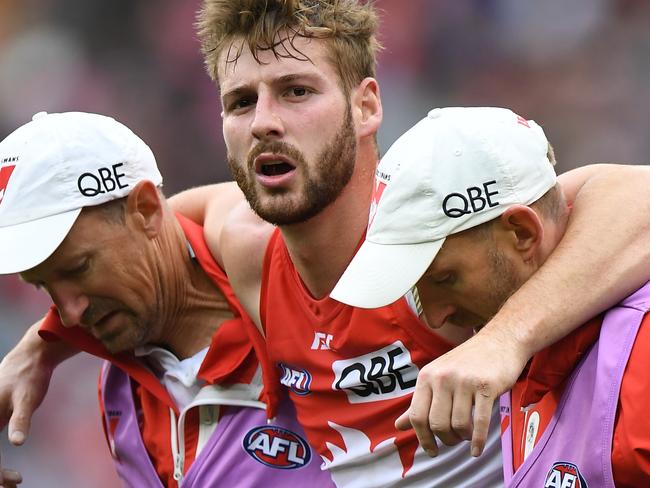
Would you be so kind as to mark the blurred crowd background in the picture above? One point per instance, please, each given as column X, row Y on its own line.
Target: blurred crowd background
column 581, row 69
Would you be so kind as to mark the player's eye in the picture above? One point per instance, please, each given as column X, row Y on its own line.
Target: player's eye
column 242, row 103
column 298, row 92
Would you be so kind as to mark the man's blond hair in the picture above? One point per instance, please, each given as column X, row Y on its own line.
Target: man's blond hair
column 349, row 26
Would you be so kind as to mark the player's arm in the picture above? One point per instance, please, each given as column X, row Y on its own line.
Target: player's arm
column 603, row 256
column 236, row 237
column 25, row 374
column 243, row 243
column 209, row 204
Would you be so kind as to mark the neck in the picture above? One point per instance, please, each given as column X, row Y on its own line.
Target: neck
column 322, row 247
column 192, row 306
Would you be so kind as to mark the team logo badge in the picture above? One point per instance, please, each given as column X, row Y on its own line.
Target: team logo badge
column 5, row 174
column 276, row 447
column 377, row 192
column 297, row 380
column 321, row 341
column 565, row 475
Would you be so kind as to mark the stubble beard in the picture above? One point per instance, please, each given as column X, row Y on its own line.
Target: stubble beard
column 504, row 283
column 323, row 182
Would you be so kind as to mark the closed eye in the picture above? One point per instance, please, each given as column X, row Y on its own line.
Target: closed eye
column 444, row 279
column 78, row 270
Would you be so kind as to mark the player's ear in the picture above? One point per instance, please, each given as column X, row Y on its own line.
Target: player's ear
column 144, row 208
column 525, row 229
column 366, row 107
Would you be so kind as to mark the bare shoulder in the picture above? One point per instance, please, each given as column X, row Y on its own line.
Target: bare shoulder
column 243, row 241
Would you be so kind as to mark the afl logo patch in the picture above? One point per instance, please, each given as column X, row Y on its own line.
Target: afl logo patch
column 297, row 380
column 277, row 447
column 565, row 475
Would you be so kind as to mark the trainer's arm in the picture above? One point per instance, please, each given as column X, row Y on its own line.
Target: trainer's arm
column 602, row 258
column 25, row 374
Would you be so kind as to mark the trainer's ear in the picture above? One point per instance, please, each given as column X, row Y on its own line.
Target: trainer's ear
column 144, row 208
column 526, row 230
column 366, row 107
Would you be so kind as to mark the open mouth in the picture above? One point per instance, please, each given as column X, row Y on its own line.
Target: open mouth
column 273, row 165
column 275, row 169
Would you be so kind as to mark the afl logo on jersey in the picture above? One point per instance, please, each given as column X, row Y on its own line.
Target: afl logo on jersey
column 277, row 447
column 298, row 380
column 565, row 475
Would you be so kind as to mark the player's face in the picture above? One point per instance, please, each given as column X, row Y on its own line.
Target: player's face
column 469, row 280
column 99, row 279
column 288, row 129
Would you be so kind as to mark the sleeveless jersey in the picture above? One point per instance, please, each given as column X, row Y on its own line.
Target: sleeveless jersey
column 153, row 444
column 575, row 448
column 351, row 372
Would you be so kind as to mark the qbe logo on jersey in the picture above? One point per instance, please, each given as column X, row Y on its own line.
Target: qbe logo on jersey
column 277, row 447
column 565, row 475
column 379, row 375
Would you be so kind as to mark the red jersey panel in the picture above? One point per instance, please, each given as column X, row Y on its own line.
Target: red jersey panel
column 351, row 372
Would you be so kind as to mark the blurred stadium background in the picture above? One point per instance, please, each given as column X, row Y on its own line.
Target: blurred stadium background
column 581, row 69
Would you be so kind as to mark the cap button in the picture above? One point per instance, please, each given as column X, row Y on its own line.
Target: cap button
column 39, row 115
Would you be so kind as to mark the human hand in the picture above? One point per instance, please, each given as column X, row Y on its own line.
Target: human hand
column 10, row 478
column 473, row 374
column 25, row 374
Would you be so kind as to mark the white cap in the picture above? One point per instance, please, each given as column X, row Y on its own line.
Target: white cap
column 52, row 167
column 455, row 169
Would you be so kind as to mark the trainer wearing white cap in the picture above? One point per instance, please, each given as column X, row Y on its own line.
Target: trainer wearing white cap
column 53, row 167
column 82, row 216
column 468, row 210
column 457, row 168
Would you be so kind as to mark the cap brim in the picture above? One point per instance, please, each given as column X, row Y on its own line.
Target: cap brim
column 23, row 246
column 381, row 274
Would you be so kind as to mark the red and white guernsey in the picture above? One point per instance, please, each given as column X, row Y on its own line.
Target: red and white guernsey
column 351, row 373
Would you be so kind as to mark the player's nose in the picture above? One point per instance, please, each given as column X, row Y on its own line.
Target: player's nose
column 267, row 124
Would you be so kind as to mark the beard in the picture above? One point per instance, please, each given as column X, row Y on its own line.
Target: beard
column 323, row 182
column 505, row 281
column 129, row 334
